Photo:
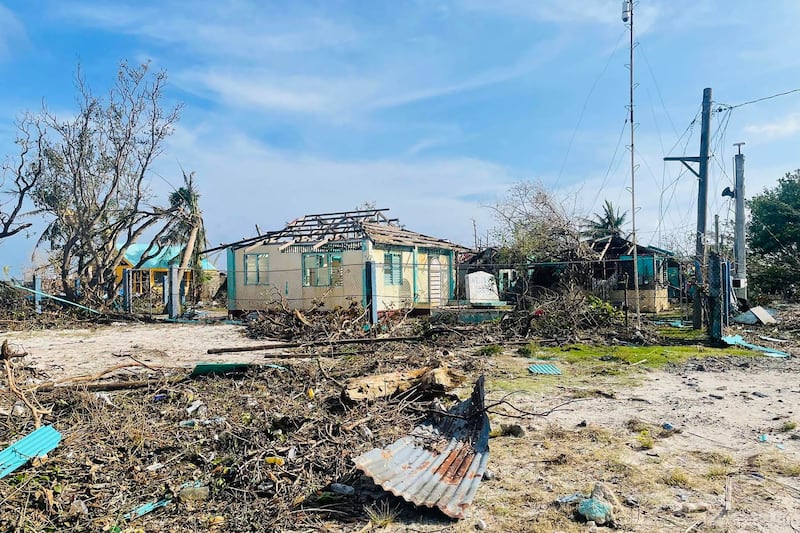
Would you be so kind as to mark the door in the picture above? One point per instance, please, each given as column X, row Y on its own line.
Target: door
column 437, row 278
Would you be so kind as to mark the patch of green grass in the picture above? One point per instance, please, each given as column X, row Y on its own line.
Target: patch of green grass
column 686, row 334
column 491, row 349
column 655, row 356
column 788, row 426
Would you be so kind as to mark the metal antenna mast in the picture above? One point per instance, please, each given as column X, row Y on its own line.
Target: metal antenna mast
column 627, row 16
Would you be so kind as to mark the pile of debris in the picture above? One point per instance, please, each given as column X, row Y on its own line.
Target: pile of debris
column 17, row 311
column 13, row 304
column 227, row 447
column 317, row 323
column 566, row 316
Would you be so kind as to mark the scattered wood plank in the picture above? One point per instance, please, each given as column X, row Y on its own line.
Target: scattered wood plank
column 383, row 385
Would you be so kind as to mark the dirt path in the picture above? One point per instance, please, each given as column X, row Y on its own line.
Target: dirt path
column 731, row 418
column 72, row 352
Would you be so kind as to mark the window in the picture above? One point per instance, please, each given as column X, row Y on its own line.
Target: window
column 392, row 273
column 256, row 269
column 322, row 270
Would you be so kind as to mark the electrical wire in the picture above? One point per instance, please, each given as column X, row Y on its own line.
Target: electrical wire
column 586, row 103
column 770, row 97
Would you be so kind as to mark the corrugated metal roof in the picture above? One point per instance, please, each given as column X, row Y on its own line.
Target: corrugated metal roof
column 441, row 463
column 35, row 444
column 169, row 255
column 385, row 234
column 545, row 368
column 343, row 226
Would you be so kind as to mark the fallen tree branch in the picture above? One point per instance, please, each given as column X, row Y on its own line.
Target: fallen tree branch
column 6, row 355
column 369, row 340
column 111, row 385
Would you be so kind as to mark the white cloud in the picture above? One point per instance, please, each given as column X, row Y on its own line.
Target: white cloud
column 12, row 32
column 782, row 128
column 251, row 56
column 239, row 30
column 439, row 197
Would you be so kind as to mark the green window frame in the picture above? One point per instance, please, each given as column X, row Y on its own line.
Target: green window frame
column 256, row 269
column 392, row 269
column 322, row 269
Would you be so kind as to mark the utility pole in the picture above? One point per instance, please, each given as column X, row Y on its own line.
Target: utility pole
column 627, row 16
column 739, row 251
column 716, row 233
column 702, row 200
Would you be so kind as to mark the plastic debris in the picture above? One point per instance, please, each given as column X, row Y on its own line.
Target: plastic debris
column 219, row 369
column 36, row 444
column 570, row 498
column 762, row 438
column 192, row 422
column 667, row 426
column 597, row 511
column 341, row 488
column 146, row 508
column 197, row 404
column 105, row 398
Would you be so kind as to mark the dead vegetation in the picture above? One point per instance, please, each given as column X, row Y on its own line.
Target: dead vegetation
column 267, row 444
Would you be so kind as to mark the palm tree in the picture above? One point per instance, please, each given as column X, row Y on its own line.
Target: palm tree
column 604, row 224
column 187, row 229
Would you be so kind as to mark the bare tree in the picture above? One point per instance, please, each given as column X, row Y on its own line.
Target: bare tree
column 20, row 176
column 533, row 226
column 95, row 189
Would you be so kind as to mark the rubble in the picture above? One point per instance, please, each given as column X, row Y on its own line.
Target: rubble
column 261, row 456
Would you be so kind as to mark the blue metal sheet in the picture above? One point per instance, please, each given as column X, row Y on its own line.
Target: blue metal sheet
column 544, row 368
column 36, row 444
column 441, row 463
column 737, row 340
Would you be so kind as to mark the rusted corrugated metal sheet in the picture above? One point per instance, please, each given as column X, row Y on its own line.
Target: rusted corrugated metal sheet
column 441, row 463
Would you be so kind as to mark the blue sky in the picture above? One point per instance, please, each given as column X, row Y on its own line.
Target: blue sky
column 431, row 108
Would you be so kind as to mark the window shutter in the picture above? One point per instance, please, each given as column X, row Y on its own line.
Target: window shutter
column 397, row 273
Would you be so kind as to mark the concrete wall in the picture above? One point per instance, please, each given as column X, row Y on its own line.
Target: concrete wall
column 650, row 300
column 415, row 286
column 286, row 279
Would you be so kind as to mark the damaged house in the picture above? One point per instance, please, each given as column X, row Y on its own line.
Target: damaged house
column 338, row 258
column 612, row 276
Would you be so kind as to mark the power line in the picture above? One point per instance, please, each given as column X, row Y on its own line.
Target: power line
column 586, row 103
column 763, row 98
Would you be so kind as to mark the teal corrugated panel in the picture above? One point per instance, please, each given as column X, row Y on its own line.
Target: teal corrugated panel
column 33, row 445
column 545, row 368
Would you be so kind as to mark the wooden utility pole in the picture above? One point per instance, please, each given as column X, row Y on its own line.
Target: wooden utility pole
column 702, row 201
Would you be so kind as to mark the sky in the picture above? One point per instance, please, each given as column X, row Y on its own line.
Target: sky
column 433, row 109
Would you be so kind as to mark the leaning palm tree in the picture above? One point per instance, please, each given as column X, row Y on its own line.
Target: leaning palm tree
column 604, row 224
column 187, row 229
